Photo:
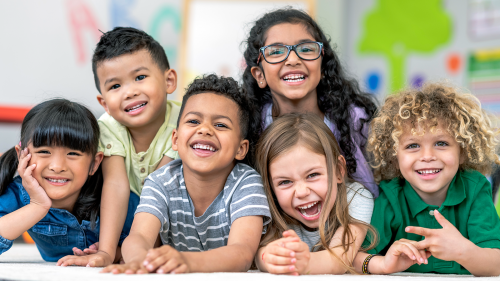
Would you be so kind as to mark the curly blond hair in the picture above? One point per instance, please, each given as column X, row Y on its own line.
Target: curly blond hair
column 456, row 110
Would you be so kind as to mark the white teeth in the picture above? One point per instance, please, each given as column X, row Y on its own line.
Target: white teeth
column 204, row 147
column 135, row 107
column 423, row 172
column 294, row 77
column 57, row 181
column 308, row 206
column 303, row 212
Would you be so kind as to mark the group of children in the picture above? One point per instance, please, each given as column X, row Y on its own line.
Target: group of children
column 159, row 186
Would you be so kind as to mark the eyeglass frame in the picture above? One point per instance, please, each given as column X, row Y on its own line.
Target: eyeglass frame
column 290, row 48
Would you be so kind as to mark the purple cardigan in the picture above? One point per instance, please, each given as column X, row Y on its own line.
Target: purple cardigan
column 363, row 172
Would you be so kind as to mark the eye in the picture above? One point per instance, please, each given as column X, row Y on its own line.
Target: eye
column 43, row 151
column 140, row 77
column 312, row 175
column 221, row 125
column 441, row 143
column 115, row 86
column 75, row 153
column 412, row 146
column 193, row 121
column 275, row 50
column 284, row 182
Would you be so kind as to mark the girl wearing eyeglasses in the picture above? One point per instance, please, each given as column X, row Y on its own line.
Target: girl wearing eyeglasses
column 291, row 67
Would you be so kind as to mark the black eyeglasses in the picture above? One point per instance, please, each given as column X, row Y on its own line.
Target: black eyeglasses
column 277, row 53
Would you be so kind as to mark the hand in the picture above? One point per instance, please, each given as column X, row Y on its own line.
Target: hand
column 302, row 253
column 99, row 259
column 278, row 259
column 402, row 254
column 90, row 250
column 134, row 267
column 37, row 194
column 446, row 244
column 166, row 260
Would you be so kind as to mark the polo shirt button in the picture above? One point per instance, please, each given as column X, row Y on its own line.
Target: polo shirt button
column 143, row 170
column 142, row 159
column 431, row 212
column 108, row 146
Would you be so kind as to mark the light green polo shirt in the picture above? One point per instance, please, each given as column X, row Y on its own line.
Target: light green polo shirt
column 115, row 139
column 468, row 206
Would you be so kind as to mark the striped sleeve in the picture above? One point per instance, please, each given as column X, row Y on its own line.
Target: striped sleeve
column 154, row 201
column 360, row 202
column 248, row 198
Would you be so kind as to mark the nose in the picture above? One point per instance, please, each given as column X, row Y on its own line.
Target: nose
column 58, row 164
column 427, row 155
column 293, row 58
column 131, row 92
column 301, row 190
column 205, row 129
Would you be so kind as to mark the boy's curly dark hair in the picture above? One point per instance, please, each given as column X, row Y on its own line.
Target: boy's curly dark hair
column 126, row 40
column 435, row 103
column 337, row 94
column 227, row 87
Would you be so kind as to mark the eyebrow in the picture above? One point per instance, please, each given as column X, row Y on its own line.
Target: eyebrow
column 215, row 116
column 133, row 71
column 300, row 41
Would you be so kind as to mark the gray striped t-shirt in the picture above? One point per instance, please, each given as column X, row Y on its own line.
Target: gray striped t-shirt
column 165, row 195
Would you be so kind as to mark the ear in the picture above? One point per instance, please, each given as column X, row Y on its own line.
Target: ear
column 174, row 140
column 18, row 150
column 462, row 156
column 340, row 166
column 102, row 102
column 97, row 161
column 258, row 75
column 242, row 150
column 170, row 80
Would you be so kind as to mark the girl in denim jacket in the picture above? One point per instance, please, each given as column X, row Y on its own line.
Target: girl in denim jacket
column 56, row 196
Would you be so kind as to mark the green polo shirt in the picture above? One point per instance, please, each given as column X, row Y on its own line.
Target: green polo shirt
column 468, row 206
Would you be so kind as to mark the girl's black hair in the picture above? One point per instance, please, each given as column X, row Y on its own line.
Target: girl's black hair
column 336, row 92
column 60, row 122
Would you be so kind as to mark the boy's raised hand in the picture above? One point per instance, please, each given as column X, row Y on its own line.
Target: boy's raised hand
column 37, row 194
column 446, row 244
column 278, row 259
column 166, row 259
column 301, row 250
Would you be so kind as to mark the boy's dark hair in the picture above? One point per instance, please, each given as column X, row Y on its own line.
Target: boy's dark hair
column 60, row 122
column 224, row 86
column 337, row 93
column 126, row 40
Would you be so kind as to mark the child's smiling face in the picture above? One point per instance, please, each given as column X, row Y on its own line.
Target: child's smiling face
column 276, row 76
column 300, row 182
column 208, row 138
column 429, row 162
column 134, row 89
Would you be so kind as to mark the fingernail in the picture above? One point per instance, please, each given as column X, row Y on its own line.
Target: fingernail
column 173, row 272
column 436, row 211
column 145, row 263
column 294, row 260
column 413, row 257
column 292, row 254
column 422, row 260
column 150, row 267
column 426, row 261
column 159, row 271
column 292, row 267
column 88, row 265
column 407, row 229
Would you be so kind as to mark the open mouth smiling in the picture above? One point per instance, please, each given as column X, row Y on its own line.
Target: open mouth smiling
column 311, row 210
column 294, row 77
column 428, row 171
column 135, row 107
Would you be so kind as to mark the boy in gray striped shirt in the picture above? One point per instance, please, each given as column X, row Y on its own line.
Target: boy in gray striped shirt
column 208, row 209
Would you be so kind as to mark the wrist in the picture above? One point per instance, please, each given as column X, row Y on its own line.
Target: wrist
column 43, row 208
column 468, row 250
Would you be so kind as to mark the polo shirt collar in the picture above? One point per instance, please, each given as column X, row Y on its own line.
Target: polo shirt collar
column 454, row 196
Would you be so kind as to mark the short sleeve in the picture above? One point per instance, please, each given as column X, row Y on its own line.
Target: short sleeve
column 384, row 222
column 154, row 201
column 360, row 202
column 172, row 154
column 249, row 199
column 112, row 136
column 483, row 223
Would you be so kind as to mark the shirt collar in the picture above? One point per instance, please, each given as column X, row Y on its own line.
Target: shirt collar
column 454, row 196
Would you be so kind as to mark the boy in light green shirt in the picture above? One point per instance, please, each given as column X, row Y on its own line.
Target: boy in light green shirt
column 430, row 146
column 132, row 74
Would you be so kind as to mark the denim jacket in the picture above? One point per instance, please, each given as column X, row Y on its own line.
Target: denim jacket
column 59, row 231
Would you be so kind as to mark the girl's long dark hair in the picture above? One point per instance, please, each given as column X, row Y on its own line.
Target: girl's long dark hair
column 336, row 92
column 60, row 122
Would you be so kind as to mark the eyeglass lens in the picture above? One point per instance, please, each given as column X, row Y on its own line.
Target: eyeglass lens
column 278, row 53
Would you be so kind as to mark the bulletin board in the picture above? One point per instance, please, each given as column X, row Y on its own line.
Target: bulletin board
column 214, row 31
column 393, row 43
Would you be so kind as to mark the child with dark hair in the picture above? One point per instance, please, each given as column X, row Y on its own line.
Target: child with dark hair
column 208, row 208
column 56, row 197
column 132, row 74
column 291, row 67
column 431, row 147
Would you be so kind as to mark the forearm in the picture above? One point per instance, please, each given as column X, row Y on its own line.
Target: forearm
column 114, row 205
column 135, row 247
column 14, row 224
column 323, row 262
column 231, row 258
column 261, row 265
column 480, row 261
column 375, row 266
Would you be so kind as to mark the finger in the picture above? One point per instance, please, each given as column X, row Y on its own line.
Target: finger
column 157, row 252
column 90, row 251
column 94, row 246
column 181, row 269
column 279, row 251
column 29, row 171
column 80, row 261
column 281, row 269
column 442, row 220
column 424, row 244
column 170, row 265
column 154, row 264
column 281, row 242
column 419, row 230
column 297, row 246
column 290, row 233
column 279, row 260
column 78, row 252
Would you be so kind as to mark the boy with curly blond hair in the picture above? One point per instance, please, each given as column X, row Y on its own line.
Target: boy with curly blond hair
column 430, row 149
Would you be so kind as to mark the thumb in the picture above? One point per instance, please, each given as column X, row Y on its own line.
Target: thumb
column 290, row 233
column 442, row 220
